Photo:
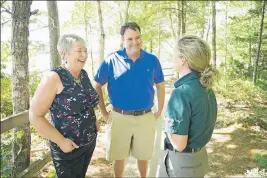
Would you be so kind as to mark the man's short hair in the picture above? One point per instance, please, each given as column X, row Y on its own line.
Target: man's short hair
column 130, row 25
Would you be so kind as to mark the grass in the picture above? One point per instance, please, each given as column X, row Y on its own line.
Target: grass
column 240, row 102
column 261, row 159
column 238, row 146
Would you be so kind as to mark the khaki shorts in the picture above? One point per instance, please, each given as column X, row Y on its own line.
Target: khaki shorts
column 128, row 134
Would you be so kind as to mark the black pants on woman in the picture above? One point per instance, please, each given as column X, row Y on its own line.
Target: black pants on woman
column 75, row 163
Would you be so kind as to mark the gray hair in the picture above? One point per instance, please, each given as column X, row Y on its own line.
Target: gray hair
column 198, row 55
column 66, row 42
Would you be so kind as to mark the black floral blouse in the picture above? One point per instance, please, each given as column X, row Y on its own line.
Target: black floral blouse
column 72, row 111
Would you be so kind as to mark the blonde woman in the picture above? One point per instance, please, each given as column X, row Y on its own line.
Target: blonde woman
column 191, row 111
column 69, row 96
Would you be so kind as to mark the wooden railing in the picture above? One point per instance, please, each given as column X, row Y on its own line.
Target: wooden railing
column 19, row 119
column 14, row 121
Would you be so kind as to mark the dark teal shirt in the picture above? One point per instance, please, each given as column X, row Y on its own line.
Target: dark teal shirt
column 191, row 110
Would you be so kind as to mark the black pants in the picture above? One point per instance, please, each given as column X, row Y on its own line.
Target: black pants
column 75, row 163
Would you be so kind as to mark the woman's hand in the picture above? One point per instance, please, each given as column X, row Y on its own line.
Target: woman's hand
column 97, row 126
column 67, row 145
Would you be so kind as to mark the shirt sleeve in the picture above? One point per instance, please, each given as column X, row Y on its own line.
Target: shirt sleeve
column 102, row 73
column 178, row 114
column 158, row 73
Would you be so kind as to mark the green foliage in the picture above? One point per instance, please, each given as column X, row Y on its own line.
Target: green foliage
column 5, row 16
column 154, row 13
column 83, row 14
column 196, row 14
column 52, row 174
column 228, row 86
column 239, row 68
column 35, row 47
column 35, row 19
column 6, row 92
column 6, row 96
column 20, row 134
column 6, row 154
column 35, row 79
column 261, row 159
column 242, row 38
column 244, row 157
column 240, row 102
column 5, row 51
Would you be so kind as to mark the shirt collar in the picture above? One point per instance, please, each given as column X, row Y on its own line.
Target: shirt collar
column 124, row 54
column 192, row 75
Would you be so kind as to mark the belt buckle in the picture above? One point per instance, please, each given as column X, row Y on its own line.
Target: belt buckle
column 135, row 113
column 140, row 113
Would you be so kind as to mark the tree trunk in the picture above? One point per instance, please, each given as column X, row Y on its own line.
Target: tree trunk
column 259, row 45
column 54, row 33
column 208, row 30
column 21, row 144
column 214, row 33
column 151, row 45
column 172, row 28
column 85, row 22
column 102, row 34
column 179, row 20
column 159, row 41
column 91, row 53
column 126, row 16
column 183, row 17
column 206, row 22
column 250, row 45
column 226, row 37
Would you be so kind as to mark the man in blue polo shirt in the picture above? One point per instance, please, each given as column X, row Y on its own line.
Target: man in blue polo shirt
column 131, row 74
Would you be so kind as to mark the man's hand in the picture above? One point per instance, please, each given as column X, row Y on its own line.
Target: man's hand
column 157, row 114
column 67, row 145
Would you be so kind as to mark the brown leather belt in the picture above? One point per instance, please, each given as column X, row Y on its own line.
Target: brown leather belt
column 133, row 113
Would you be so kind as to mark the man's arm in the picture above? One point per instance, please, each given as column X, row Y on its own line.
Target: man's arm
column 101, row 104
column 160, row 97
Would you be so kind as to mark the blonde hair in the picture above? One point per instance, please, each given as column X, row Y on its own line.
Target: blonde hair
column 66, row 42
column 198, row 54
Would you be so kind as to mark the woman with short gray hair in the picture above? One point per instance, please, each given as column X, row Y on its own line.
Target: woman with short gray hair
column 69, row 96
column 191, row 111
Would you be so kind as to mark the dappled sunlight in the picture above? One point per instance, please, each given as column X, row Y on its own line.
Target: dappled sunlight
column 234, row 154
column 221, row 138
column 231, row 146
column 227, row 130
column 254, row 151
column 255, row 128
column 209, row 149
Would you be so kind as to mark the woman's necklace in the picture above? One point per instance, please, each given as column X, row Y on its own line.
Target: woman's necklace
column 78, row 80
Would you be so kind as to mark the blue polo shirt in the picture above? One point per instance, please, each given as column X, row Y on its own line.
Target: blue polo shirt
column 130, row 84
